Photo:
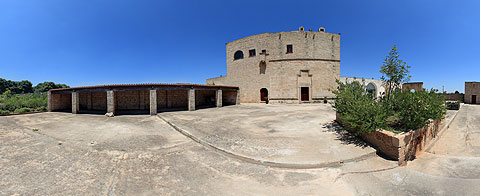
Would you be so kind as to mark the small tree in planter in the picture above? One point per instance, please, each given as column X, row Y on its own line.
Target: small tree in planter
column 325, row 99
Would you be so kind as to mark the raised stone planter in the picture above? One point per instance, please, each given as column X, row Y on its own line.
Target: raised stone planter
column 403, row 146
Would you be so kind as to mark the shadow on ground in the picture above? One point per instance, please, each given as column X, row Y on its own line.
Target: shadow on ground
column 344, row 136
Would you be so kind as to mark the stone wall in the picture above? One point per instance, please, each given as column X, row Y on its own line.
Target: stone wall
column 403, row 146
column 172, row 99
column 315, row 54
column 132, row 100
column 61, row 102
column 454, row 96
column 93, row 101
column 472, row 88
column 417, row 86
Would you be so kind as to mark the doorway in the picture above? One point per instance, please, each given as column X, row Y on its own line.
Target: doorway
column 304, row 94
column 474, row 99
column 263, row 94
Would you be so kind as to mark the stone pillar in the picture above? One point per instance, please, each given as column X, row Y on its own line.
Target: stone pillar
column 111, row 101
column 49, row 101
column 218, row 98
column 75, row 102
column 153, row 102
column 191, row 100
column 237, row 102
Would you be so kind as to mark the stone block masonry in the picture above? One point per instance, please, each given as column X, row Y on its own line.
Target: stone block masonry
column 140, row 98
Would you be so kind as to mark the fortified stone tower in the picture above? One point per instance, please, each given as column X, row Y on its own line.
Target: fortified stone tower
column 285, row 67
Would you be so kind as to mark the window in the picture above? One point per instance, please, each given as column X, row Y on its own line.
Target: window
column 290, row 48
column 238, row 55
column 252, row 53
column 264, row 51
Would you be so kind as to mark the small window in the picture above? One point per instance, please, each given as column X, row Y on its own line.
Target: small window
column 290, row 48
column 264, row 51
column 238, row 55
column 252, row 52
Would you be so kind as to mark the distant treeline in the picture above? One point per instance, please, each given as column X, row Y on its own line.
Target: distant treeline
column 25, row 86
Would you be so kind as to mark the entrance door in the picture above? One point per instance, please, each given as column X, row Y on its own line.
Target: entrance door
column 263, row 94
column 304, row 94
column 474, row 99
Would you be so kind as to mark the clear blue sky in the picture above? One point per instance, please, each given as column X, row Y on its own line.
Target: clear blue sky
column 118, row 41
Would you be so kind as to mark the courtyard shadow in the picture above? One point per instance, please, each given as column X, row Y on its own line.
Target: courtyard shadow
column 344, row 136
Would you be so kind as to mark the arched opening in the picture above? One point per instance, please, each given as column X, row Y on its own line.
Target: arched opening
column 412, row 90
column 371, row 89
column 263, row 94
column 238, row 55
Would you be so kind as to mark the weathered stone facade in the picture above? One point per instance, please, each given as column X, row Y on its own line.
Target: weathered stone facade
column 472, row 92
column 293, row 67
column 372, row 85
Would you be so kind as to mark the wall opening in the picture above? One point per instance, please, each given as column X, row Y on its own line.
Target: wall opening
column 205, row 98
column 474, row 99
column 263, row 94
column 172, row 100
column 132, row 102
column 252, row 53
column 93, row 102
column 304, row 91
column 229, row 97
column 289, row 48
column 371, row 89
column 238, row 55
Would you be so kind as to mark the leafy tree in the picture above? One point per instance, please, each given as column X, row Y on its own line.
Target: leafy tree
column 45, row 86
column 395, row 72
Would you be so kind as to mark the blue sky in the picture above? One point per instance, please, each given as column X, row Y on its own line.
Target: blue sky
column 118, row 41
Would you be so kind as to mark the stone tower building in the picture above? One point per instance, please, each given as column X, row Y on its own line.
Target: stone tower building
column 285, row 67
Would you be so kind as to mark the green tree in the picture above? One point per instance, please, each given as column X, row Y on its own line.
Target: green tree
column 395, row 72
column 45, row 86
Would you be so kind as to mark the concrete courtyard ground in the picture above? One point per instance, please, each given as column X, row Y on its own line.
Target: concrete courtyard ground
column 144, row 155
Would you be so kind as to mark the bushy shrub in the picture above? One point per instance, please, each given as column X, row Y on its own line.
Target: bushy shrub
column 412, row 110
column 4, row 112
column 21, row 110
column 360, row 112
column 32, row 101
column 357, row 108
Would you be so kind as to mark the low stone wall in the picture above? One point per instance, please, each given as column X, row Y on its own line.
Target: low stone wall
column 403, row 146
column 454, row 96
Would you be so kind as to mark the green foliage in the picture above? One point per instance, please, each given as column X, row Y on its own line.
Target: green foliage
column 25, row 86
column 21, row 103
column 359, row 111
column 395, row 72
column 412, row 110
column 45, row 86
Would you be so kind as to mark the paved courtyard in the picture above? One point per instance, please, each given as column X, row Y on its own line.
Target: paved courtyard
column 65, row 154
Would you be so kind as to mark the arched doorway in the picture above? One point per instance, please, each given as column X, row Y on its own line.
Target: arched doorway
column 263, row 94
column 371, row 89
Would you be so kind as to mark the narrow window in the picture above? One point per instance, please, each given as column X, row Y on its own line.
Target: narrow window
column 290, row 48
column 264, row 51
column 252, row 53
column 238, row 55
